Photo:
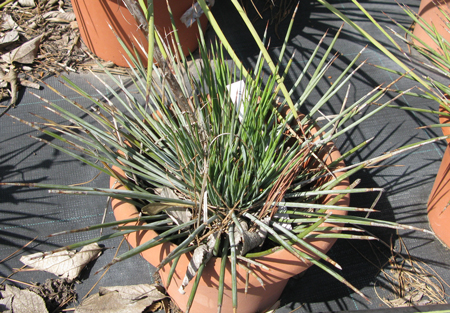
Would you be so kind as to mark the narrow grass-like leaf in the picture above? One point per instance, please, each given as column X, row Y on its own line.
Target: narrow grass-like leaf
column 223, row 266
column 233, row 266
column 195, row 286
column 174, row 253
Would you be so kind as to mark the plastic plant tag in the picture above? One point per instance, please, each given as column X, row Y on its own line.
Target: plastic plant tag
column 237, row 94
column 193, row 13
column 190, row 16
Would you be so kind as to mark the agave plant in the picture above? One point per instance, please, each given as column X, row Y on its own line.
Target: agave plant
column 205, row 164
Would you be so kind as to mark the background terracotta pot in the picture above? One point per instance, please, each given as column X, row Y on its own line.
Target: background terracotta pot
column 439, row 201
column 444, row 120
column 430, row 13
column 95, row 16
column 282, row 265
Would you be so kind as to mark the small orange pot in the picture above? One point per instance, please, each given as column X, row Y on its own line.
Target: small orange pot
column 96, row 16
column 282, row 264
column 439, row 200
column 431, row 14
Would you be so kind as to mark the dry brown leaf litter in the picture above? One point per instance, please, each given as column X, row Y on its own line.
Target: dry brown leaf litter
column 60, row 48
column 54, row 295
column 18, row 300
column 124, row 299
column 39, row 38
column 36, row 42
column 413, row 282
column 57, row 293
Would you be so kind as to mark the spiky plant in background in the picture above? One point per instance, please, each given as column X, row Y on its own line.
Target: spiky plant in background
column 438, row 57
column 203, row 166
column 435, row 85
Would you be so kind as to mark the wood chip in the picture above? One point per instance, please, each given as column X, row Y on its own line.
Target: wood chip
column 27, row 83
column 74, row 25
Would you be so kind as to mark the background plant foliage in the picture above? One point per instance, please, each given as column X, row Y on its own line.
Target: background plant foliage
column 436, row 59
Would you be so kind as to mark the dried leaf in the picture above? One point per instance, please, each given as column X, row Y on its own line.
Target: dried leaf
column 201, row 255
column 56, row 16
column 23, row 300
column 247, row 240
column 27, row 83
column 135, row 292
column 50, row 3
column 9, row 38
column 423, row 302
column 6, row 304
column 8, row 23
column 27, row 3
column 66, row 264
column 179, row 215
column 121, row 299
column 3, row 69
column 11, row 78
column 24, row 54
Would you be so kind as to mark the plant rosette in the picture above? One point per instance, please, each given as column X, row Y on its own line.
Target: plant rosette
column 259, row 286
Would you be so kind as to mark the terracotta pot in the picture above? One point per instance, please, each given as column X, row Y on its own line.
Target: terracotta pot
column 282, row 264
column 430, row 13
column 439, row 200
column 95, row 16
column 444, row 120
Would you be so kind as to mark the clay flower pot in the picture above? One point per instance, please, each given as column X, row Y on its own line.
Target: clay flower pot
column 429, row 11
column 282, row 264
column 439, row 201
column 96, row 16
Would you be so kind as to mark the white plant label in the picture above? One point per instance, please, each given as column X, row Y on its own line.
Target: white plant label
column 237, row 94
